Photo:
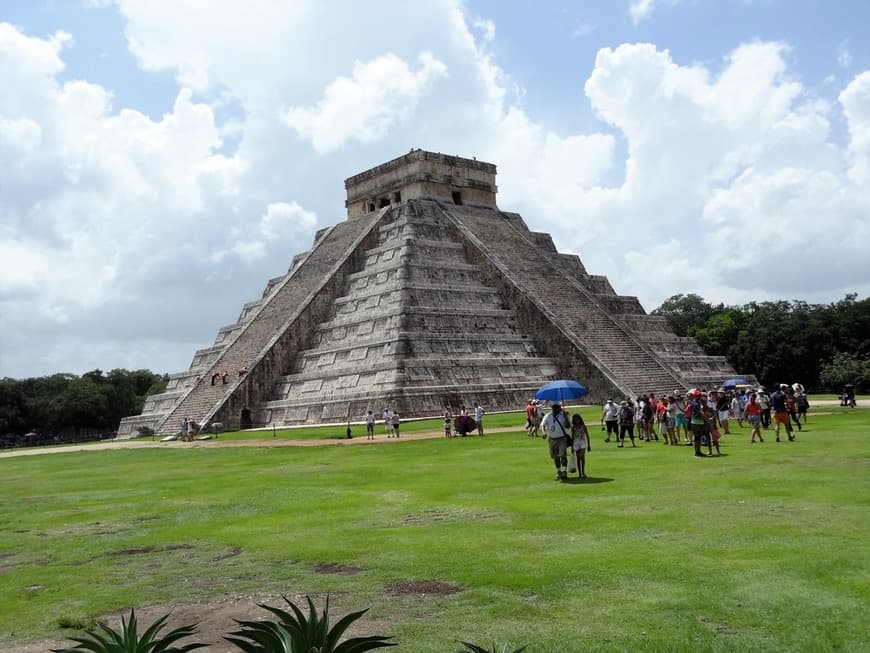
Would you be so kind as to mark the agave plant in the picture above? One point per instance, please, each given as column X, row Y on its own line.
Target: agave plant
column 474, row 648
column 127, row 639
column 262, row 637
column 296, row 632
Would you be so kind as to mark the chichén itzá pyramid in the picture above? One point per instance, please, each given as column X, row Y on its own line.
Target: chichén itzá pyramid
column 426, row 296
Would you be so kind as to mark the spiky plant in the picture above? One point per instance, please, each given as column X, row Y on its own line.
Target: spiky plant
column 262, row 637
column 296, row 632
column 474, row 648
column 127, row 639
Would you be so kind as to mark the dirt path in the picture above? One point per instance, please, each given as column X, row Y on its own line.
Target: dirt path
column 266, row 442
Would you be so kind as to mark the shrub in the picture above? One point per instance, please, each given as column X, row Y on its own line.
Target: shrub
column 295, row 632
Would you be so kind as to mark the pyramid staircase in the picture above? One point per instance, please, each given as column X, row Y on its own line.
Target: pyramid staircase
column 415, row 330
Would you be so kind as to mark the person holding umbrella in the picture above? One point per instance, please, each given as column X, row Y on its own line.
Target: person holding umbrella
column 556, row 428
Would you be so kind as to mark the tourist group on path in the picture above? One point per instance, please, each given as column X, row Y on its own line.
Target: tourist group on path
column 699, row 419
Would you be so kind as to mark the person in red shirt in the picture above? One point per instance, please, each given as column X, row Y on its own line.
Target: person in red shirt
column 533, row 420
column 753, row 412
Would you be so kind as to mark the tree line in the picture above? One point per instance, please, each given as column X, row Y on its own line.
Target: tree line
column 70, row 405
column 822, row 346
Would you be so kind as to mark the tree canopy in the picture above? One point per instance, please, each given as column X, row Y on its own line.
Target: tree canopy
column 781, row 341
column 94, row 401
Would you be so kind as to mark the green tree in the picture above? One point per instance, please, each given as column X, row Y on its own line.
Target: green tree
column 12, row 412
column 719, row 333
column 82, row 404
column 846, row 368
column 685, row 311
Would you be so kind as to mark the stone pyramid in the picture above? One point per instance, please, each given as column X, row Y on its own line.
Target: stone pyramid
column 426, row 296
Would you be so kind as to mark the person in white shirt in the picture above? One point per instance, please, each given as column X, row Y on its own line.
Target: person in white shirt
column 388, row 422
column 737, row 408
column 610, row 418
column 556, row 428
column 370, row 426
column 478, row 417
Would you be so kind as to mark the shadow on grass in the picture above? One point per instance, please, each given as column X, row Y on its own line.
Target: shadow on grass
column 589, row 480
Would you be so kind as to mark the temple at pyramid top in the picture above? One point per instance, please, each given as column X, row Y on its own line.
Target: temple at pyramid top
column 421, row 175
column 426, row 299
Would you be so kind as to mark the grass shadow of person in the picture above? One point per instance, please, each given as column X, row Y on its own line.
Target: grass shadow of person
column 589, row 480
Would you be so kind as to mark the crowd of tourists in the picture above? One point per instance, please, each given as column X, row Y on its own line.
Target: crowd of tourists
column 697, row 418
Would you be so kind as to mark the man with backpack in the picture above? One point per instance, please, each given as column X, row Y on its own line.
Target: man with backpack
column 626, row 423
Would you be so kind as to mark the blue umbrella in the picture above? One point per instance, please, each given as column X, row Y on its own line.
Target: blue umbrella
column 561, row 391
column 734, row 383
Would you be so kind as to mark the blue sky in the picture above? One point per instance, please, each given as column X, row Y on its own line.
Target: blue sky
column 168, row 158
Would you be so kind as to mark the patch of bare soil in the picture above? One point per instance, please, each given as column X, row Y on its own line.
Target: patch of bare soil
column 150, row 549
column 421, row 588
column 232, row 552
column 435, row 515
column 215, row 619
column 336, row 568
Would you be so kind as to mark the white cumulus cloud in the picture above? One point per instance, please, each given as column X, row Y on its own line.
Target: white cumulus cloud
column 640, row 10
column 363, row 107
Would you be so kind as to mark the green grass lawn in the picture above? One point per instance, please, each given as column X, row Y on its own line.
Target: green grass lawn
column 763, row 549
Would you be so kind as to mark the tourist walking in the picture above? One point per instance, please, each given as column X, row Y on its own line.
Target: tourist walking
column 803, row 405
column 780, row 413
column 791, row 406
column 647, row 411
column 764, row 402
column 662, row 419
column 555, row 429
column 580, row 442
column 478, row 417
column 697, row 422
column 394, row 418
column 370, row 426
column 680, row 419
column 388, row 421
column 626, row 422
column 533, row 422
column 723, row 411
column 448, row 424
column 192, row 428
column 713, row 435
column 672, row 412
column 737, row 408
column 610, row 420
column 753, row 414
